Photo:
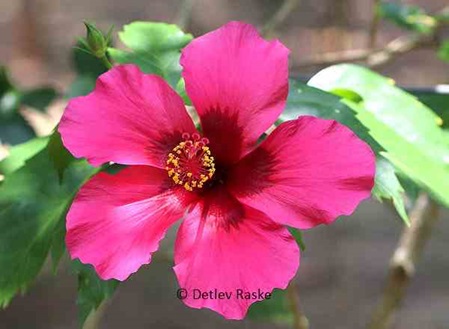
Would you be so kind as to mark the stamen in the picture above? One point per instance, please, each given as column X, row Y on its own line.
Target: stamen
column 190, row 163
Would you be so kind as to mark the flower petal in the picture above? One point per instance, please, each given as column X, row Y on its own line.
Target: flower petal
column 117, row 221
column 251, row 255
column 130, row 118
column 238, row 83
column 307, row 172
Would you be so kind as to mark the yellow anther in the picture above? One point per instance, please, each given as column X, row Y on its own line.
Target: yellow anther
column 190, row 163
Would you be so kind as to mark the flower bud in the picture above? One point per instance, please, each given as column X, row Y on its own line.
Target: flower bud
column 96, row 42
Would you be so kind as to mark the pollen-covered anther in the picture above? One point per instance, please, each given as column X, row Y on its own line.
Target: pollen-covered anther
column 190, row 164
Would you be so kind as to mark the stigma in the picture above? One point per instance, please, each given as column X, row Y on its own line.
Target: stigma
column 190, row 164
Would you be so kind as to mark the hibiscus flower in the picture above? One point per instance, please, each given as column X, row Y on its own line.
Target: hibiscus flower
column 233, row 194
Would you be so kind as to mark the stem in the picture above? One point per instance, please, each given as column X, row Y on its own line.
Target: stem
column 299, row 319
column 185, row 14
column 94, row 319
column 104, row 59
column 374, row 26
column 402, row 265
column 279, row 16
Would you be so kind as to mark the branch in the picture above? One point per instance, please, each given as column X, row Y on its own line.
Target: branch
column 377, row 57
column 299, row 319
column 279, row 16
column 94, row 319
column 374, row 26
column 185, row 14
column 373, row 58
column 402, row 264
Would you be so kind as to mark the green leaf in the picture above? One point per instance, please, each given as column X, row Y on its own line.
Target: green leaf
column 155, row 47
column 88, row 68
column 39, row 98
column 406, row 129
column 92, row 291
column 13, row 128
column 59, row 155
column 443, row 51
column 297, row 234
column 9, row 96
column 81, row 86
column 307, row 100
column 5, row 83
column 388, row 187
column 20, row 153
column 32, row 206
column 85, row 63
column 409, row 17
column 275, row 310
column 347, row 94
column 438, row 101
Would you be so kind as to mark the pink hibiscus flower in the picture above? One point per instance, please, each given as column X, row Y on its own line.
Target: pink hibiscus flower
column 234, row 195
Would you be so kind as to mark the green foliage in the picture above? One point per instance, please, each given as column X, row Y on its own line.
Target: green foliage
column 92, row 291
column 155, row 47
column 39, row 98
column 443, row 51
column 347, row 94
column 388, row 187
column 307, row 100
column 297, row 234
column 406, row 129
column 438, row 101
column 277, row 309
column 13, row 128
column 409, row 17
column 32, row 204
column 34, row 201
column 88, row 68
column 60, row 157
column 20, row 153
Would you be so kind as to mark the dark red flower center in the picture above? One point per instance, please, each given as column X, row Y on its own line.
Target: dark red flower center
column 190, row 163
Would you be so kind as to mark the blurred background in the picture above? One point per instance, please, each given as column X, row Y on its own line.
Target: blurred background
column 344, row 267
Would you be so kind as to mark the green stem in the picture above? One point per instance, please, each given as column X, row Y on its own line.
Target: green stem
column 299, row 319
column 104, row 59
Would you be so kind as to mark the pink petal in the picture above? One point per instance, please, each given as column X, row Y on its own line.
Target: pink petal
column 237, row 82
column 117, row 221
column 130, row 118
column 249, row 254
column 307, row 172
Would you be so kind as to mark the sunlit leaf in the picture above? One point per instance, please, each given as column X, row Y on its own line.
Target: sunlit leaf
column 406, row 129
column 20, row 153
column 155, row 47
column 307, row 100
